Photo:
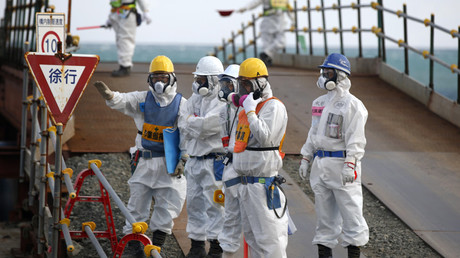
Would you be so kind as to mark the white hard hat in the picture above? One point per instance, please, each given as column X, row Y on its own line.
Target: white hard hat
column 209, row 65
column 231, row 71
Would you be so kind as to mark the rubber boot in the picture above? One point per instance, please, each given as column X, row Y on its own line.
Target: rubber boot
column 266, row 59
column 158, row 238
column 197, row 250
column 324, row 251
column 135, row 249
column 215, row 251
column 353, row 251
column 122, row 71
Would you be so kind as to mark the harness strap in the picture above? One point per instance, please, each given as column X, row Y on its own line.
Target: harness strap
column 262, row 148
column 331, row 154
column 247, row 180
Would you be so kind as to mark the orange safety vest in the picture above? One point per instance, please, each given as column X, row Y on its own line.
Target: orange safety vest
column 243, row 131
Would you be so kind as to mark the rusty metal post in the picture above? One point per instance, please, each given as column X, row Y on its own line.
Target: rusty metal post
column 42, row 173
column 25, row 103
column 57, row 191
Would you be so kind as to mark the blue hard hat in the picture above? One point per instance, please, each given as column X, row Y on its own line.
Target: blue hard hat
column 337, row 61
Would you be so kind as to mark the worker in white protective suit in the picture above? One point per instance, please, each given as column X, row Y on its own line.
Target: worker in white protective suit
column 230, row 236
column 272, row 26
column 152, row 110
column 204, row 168
column 124, row 18
column 257, row 158
column 333, row 152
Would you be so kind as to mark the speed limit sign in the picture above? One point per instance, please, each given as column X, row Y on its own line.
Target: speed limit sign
column 50, row 29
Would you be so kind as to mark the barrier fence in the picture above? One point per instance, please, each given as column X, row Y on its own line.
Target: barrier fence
column 250, row 45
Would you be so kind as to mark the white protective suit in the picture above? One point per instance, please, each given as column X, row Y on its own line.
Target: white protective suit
column 339, row 208
column 266, row 235
column 150, row 179
column 201, row 130
column 124, row 26
column 230, row 236
column 271, row 28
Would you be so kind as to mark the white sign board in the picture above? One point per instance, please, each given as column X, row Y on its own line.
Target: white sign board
column 50, row 28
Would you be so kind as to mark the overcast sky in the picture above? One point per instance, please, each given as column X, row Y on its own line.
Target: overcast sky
column 198, row 22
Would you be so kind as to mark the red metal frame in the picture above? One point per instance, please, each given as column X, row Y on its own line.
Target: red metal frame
column 104, row 199
column 129, row 237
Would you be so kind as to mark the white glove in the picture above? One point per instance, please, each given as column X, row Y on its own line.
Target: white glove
column 180, row 168
column 104, row 90
column 146, row 18
column 348, row 173
column 305, row 167
column 250, row 103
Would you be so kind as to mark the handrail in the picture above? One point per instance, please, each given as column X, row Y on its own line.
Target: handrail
column 377, row 30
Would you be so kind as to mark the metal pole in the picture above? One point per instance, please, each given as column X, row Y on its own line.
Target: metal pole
column 458, row 75
column 57, row 191
column 297, row 50
column 96, row 244
column 324, row 28
column 42, row 171
column 406, row 51
column 244, row 41
column 112, row 193
column 33, row 145
column 360, row 43
column 431, row 52
column 254, row 34
column 25, row 103
column 381, row 25
column 340, row 28
column 224, row 52
column 233, row 48
column 309, row 28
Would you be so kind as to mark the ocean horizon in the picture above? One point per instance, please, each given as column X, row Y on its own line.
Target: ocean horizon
column 444, row 81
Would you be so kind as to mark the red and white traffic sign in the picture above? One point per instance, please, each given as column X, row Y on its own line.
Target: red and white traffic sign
column 50, row 29
column 61, row 83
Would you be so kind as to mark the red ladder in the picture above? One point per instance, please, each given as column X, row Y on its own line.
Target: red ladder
column 104, row 199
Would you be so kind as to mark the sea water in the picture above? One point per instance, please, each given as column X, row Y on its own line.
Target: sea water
column 444, row 81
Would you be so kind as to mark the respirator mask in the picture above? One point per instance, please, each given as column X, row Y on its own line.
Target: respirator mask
column 247, row 86
column 327, row 79
column 161, row 82
column 228, row 86
column 201, row 85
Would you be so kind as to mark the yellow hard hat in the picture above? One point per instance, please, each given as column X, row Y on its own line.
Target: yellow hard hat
column 253, row 68
column 161, row 64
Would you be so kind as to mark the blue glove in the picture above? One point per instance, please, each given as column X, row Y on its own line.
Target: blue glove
column 250, row 103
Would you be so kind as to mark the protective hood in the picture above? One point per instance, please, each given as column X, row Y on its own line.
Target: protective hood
column 165, row 98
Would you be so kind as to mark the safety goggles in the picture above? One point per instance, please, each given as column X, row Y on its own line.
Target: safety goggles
column 159, row 77
column 201, row 79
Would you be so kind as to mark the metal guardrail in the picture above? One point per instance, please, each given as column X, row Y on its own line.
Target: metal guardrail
column 245, row 48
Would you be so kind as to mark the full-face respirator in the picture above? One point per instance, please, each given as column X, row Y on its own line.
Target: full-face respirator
column 161, row 82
